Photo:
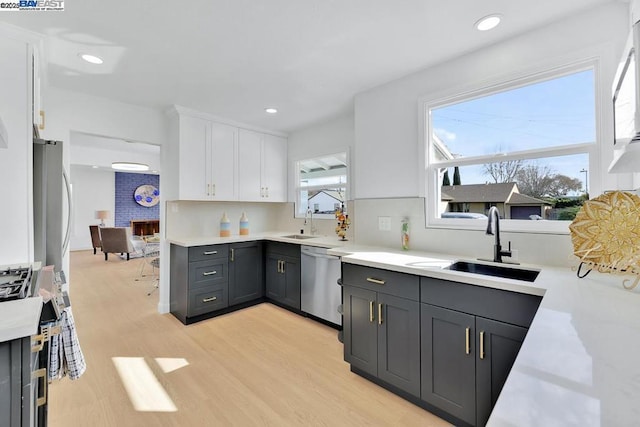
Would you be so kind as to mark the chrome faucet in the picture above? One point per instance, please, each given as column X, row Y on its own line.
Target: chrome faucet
column 309, row 214
column 494, row 217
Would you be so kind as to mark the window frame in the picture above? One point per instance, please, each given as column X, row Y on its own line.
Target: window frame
column 455, row 96
column 298, row 188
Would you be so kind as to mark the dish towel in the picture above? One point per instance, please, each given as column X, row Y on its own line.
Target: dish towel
column 65, row 354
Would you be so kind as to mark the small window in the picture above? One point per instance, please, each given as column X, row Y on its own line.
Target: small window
column 524, row 147
column 322, row 185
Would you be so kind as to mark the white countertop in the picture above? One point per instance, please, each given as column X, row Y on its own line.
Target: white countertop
column 323, row 241
column 19, row 318
column 580, row 362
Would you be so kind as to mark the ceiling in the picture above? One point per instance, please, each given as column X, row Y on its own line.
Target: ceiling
column 233, row 58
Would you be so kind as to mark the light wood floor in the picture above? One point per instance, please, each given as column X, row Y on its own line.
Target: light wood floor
column 258, row 366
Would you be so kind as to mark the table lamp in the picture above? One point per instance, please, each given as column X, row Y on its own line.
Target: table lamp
column 102, row 215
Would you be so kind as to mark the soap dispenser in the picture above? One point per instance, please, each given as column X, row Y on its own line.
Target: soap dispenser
column 244, row 225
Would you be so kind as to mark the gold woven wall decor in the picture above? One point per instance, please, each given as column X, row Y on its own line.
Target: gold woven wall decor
column 606, row 235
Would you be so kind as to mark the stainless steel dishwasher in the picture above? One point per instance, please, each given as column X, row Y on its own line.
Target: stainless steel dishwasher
column 320, row 293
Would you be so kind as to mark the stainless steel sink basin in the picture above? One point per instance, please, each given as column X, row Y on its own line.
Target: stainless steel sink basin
column 495, row 270
column 298, row 236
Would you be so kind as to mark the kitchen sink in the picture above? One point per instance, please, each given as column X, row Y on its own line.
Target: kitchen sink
column 495, row 270
column 299, row 236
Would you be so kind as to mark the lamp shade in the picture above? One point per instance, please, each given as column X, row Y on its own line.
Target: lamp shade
column 102, row 215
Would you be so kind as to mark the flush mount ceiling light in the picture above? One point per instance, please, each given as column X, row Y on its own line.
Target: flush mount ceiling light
column 92, row 59
column 489, row 22
column 129, row 166
column 94, row 167
column 271, row 110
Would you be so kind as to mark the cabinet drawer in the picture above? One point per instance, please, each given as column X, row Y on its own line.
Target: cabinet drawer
column 506, row 306
column 205, row 273
column 207, row 299
column 286, row 249
column 385, row 281
column 201, row 253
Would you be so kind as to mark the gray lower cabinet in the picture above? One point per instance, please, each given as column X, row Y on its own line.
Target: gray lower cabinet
column 381, row 328
column 19, row 384
column 246, row 282
column 199, row 280
column 282, row 273
column 466, row 357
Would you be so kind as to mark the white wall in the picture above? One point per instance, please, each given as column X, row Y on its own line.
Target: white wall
column 70, row 113
column 543, row 249
column 389, row 147
column 92, row 190
column 388, row 142
column 202, row 219
column 16, row 161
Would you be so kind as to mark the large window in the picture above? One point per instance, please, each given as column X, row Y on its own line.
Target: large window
column 525, row 147
column 322, row 185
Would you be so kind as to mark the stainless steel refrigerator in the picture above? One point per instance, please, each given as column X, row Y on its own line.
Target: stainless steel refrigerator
column 51, row 203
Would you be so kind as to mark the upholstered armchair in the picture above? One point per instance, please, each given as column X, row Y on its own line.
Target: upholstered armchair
column 95, row 237
column 116, row 240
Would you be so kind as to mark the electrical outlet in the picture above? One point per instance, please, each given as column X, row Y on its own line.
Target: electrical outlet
column 384, row 223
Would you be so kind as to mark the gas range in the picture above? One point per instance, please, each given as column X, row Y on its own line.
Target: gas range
column 15, row 283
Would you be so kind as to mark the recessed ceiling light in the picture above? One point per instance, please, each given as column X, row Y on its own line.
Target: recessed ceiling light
column 271, row 110
column 91, row 58
column 129, row 166
column 95, row 167
column 488, row 22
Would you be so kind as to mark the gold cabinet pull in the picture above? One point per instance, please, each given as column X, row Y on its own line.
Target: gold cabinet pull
column 467, row 345
column 41, row 374
column 208, row 189
column 371, row 315
column 214, row 190
column 209, row 299
column 282, row 268
column 209, row 273
column 379, row 314
column 231, row 254
column 278, row 270
column 37, row 343
column 41, row 125
column 209, row 252
column 376, row 281
column 482, row 345
column 266, row 192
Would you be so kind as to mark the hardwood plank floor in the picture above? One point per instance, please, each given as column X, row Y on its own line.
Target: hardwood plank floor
column 259, row 366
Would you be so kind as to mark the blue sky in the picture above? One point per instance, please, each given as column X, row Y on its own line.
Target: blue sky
column 546, row 114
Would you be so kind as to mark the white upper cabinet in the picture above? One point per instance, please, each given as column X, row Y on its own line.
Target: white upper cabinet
column 250, row 166
column 223, row 162
column 262, row 167
column 274, row 168
column 208, row 154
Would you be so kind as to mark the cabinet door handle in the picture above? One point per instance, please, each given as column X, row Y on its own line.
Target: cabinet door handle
column 41, row 374
column 379, row 314
column 214, row 190
column 283, row 263
column 209, row 252
column 376, row 281
column 208, row 189
column 467, row 345
column 266, row 192
column 37, row 343
column 279, row 269
column 371, row 315
column 41, row 125
column 209, row 273
column 209, row 299
column 482, row 345
column 231, row 254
